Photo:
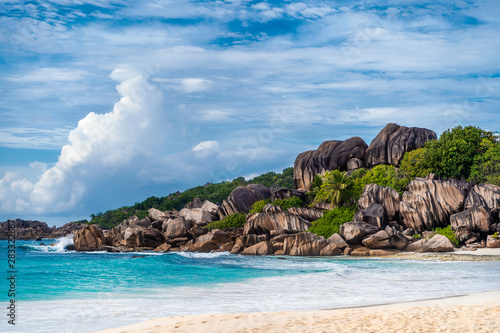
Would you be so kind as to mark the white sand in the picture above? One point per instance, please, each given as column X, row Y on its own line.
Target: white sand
column 471, row 313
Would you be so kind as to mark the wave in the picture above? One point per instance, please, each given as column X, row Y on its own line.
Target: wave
column 59, row 246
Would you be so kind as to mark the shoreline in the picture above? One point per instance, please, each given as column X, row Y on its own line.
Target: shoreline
column 477, row 312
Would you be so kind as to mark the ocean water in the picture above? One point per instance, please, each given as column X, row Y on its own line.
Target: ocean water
column 61, row 291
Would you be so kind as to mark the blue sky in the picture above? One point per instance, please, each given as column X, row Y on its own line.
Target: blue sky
column 105, row 103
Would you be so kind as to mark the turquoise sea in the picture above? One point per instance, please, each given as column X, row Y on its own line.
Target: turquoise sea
column 61, row 291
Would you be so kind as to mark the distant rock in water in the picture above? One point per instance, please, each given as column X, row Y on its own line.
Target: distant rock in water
column 27, row 230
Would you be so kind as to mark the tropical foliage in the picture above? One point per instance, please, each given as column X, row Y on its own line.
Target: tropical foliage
column 448, row 233
column 383, row 175
column 231, row 221
column 258, row 206
column 332, row 220
column 336, row 188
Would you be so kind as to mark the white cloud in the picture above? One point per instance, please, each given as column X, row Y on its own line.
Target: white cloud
column 192, row 85
column 49, row 74
column 214, row 115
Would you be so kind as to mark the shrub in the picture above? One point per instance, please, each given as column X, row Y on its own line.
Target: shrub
column 495, row 235
column 235, row 220
column 288, row 203
column 330, row 222
column 416, row 163
column 486, row 166
column 383, row 175
column 416, row 236
column 448, row 233
column 258, row 206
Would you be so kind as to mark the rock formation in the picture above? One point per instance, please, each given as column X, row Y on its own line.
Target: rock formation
column 309, row 214
column 90, row 238
column 330, row 155
column 280, row 223
column 242, row 198
column 429, row 204
column 390, row 145
column 385, row 196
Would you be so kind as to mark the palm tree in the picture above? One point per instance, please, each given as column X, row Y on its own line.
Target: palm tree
column 336, row 188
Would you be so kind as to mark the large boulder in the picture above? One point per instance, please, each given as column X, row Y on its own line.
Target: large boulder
column 285, row 223
column 487, row 195
column 378, row 240
column 438, row 243
column 429, row 204
column 388, row 197
column 309, row 214
column 476, row 218
column 144, row 237
column 260, row 249
column 337, row 240
column 90, row 238
column 331, row 250
column 492, row 242
column 178, row 227
column 308, row 244
column 157, row 215
column 218, row 237
column 354, row 232
column 242, row 198
column 330, row 155
column 26, row 229
column 374, row 214
column 393, row 141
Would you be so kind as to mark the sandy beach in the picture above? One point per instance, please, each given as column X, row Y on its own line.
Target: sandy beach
column 471, row 313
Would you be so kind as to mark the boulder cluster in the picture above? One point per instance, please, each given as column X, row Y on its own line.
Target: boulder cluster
column 26, row 230
column 388, row 147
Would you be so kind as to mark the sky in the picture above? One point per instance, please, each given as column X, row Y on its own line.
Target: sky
column 106, row 103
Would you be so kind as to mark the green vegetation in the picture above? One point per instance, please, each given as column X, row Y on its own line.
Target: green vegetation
column 330, row 222
column 416, row 236
column 383, row 175
column 258, row 206
column 336, row 188
column 448, row 233
column 468, row 153
column 231, row 221
column 495, row 235
column 212, row 192
column 80, row 221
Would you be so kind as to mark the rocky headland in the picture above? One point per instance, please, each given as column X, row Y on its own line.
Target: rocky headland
column 386, row 222
column 37, row 230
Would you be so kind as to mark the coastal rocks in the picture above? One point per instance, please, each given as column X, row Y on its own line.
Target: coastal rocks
column 393, row 141
column 438, row 243
column 90, row 238
column 157, row 215
column 216, row 236
column 360, row 252
column 374, row 215
column 242, row 198
column 260, row 249
column 262, row 223
column 165, row 247
column 143, row 237
column 354, row 232
column 429, row 204
column 331, row 250
column 484, row 195
column 383, row 252
column 337, row 240
column 385, row 196
column 70, row 228
column 178, row 227
column 476, row 218
column 354, row 163
column 378, row 240
column 307, row 244
column 492, row 242
column 330, row 155
column 27, row 229
column 206, row 213
column 309, row 214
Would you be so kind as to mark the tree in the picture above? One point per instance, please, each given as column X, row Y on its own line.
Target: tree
column 486, row 166
column 336, row 188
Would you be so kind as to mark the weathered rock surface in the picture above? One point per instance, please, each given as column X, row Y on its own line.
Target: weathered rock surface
column 165, row 247
column 378, row 240
column 360, row 252
column 242, row 198
column 143, row 237
column 331, row 250
column 412, row 247
column 337, row 240
column 429, row 204
column 157, row 215
column 27, row 229
column 261, row 249
column 492, row 242
column 90, row 238
column 385, row 196
column 216, row 236
column 309, row 214
column 390, row 145
column 383, row 252
column 438, row 243
column 307, row 244
column 178, row 227
column 67, row 229
column 354, row 232
column 484, row 195
column 330, row 155
column 476, row 218
column 272, row 209
column 354, row 163
column 261, row 223
column 281, row 193
column 374, row 214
